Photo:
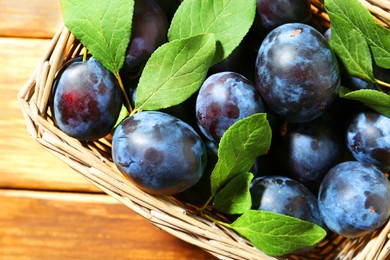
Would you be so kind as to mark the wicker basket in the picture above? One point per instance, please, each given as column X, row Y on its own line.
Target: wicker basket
column 93, row 161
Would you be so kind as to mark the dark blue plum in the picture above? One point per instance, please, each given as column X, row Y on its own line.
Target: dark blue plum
column 201, row 191
column 158, row 152
column 354, row 199
column 327, row 34
column 356, row 83
column 86, row 99
column 273, row 13
column 286, row 196
column 149, row 31
column 368, row 139
column 307, row 151
column 223, row 99
column 297, row 73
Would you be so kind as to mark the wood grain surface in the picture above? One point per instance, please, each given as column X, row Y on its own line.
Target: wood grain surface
column 55, row 225
column 25, row 164
column 32, row 19
column 47, row 210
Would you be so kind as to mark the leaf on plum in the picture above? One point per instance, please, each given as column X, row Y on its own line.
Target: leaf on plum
column 174, row 72
column 357, row 17
column 235, row 197
column 103, row 27
column 239, row 147
column 353, row 51
column 228, row 20
column 377, row 100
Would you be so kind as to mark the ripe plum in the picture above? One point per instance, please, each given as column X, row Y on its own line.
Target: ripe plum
column 158, row 152
column 223, row 99
column 286, row 196
column 150, row 29
column 307, row 151
column 297, row 73
column 273, row 13
column 354, row 199
column 86, row 99
column 368, row 139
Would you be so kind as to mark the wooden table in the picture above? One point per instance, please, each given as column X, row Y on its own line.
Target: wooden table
column 48, row 211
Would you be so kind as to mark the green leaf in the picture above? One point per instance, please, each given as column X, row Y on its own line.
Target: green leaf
column 174, row 72
column 228, row 20
column 123, row 114
column 239, row 147
column 353, row 50
column 276, row 234
column 103, row 27
column 234, row 197
column 377, row 100
column 357, row 17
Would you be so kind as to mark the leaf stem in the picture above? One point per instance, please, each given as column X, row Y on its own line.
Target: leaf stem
column 135, row 110
column 382, row 83
column 85, row 54
column 127, row 101
column 221, row 223
column 205, row 205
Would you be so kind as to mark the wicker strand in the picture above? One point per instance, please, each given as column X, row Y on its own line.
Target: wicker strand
column 378, row 12
column 55, row 62
column 385, row 252
column 27, row 116
column 376, row 244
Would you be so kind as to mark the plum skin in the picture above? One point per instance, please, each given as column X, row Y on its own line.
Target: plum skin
column 273, row 13
column 307, row 151
column 158, row 152
column 223, row 99
column 286, row 196
column 150, row 29
column 354, row 199
column 368, row 139
column 86, row 99
column 297, row 73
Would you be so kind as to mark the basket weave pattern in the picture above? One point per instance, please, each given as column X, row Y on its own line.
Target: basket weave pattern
column 93, row 161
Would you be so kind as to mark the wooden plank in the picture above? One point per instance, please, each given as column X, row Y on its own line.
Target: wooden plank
column 25, row 18
column 23, row 163
column 49, row 225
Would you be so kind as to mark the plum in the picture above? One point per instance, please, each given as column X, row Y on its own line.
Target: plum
column 354, row 199
column 307, row 151
column 297, row 73
column 286, row 196
column 158, row 152
column 150, row 29
column 273, row 13
column 86, row 99
column 223, row 99
column 368, row 138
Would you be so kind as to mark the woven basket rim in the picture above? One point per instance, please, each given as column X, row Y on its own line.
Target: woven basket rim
column 166, row 213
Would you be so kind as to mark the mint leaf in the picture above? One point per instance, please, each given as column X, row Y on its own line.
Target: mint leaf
column 239, row 147
column 276, row 234
column 103, row 27
column 228, row 20
column 358, row 18
column 377, row 100
column 174, row 72
column 353, row 50
column 234, row 197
